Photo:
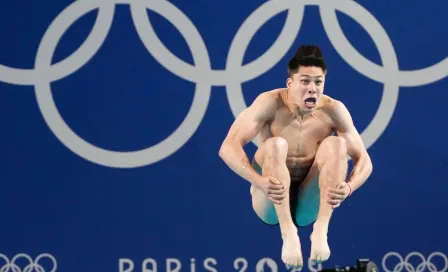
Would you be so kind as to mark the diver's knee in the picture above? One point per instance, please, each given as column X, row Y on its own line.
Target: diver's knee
column 276, row 147
column 335, row 143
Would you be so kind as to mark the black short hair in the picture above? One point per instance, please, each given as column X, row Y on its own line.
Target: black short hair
column 306, row 55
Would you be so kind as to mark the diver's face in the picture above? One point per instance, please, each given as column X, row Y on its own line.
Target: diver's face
column 306, row 87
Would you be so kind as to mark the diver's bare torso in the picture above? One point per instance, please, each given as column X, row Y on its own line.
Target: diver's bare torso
column 303, row 134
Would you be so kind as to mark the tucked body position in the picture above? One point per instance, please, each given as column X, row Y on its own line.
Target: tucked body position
column 299, row 174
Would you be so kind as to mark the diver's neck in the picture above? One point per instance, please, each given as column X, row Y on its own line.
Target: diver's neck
column 300, row 114
column 294, row 108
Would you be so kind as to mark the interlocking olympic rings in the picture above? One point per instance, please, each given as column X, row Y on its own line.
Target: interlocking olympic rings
column 404, row 264
column 17, row 265
column 201, row 72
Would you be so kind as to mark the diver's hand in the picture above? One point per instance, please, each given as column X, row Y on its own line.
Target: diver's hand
column 272, row 188
column 335, row 196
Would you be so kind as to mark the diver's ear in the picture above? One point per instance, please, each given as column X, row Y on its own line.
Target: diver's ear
column 288, row 82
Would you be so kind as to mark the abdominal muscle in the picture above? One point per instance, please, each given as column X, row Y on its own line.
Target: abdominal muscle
column 298, row 167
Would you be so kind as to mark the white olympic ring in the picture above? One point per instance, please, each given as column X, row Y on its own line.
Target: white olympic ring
column 31, row 266
column 201, row 72
column 404, row 264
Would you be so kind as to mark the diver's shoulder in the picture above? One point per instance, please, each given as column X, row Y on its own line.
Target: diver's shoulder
column 329, row 102
column 272, row 97
column 274, row 93
column 332, row 105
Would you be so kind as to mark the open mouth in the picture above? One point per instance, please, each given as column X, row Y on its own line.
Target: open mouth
column 310, row 102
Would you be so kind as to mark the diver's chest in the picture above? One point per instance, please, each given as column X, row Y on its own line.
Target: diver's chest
column 312, row 127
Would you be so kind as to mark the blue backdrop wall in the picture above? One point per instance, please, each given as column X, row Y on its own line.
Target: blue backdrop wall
column 113, row 112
